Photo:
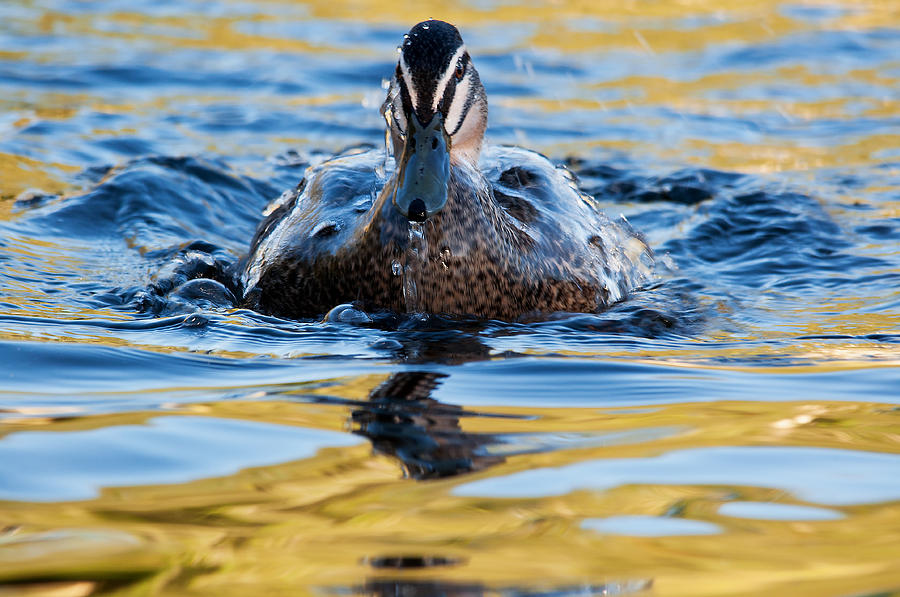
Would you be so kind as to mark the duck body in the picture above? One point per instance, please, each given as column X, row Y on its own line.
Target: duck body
column 513, row 240
column 494, row 232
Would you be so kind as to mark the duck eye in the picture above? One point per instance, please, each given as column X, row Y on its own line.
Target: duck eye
column 460, row 71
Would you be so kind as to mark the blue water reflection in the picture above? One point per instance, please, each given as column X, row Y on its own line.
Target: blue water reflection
column 76, row 465
column 819, row 475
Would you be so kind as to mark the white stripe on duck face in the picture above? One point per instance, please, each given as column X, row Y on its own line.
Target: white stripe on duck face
column 441, row 83
column 407, row 78
column 445, row 78
column 459, row 104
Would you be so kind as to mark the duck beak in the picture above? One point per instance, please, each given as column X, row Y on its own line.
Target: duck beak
column 423, row 172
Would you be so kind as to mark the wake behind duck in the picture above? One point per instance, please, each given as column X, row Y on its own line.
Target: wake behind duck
column 449, row 226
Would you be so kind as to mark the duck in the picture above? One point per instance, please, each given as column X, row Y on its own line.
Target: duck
column 438, row 221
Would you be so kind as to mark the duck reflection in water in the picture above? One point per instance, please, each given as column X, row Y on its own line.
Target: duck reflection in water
column 405, row 422
column 402, row 420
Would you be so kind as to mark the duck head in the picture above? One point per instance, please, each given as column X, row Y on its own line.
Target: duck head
column 436, row 111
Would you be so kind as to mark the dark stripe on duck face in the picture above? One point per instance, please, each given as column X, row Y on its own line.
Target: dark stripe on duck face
column 459, row 70
column 456, row 108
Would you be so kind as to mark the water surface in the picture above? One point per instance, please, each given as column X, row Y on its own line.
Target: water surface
column 731, row 429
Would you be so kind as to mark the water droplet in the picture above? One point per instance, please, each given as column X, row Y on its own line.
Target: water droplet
column 424, row 26
column 346, row 313
column 396, row 268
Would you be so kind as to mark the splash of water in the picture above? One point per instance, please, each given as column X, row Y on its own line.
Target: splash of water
column 388, row 115
column 416, row 258
column 382, row 168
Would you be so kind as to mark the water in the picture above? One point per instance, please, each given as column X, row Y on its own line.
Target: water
column 416, row 259
column 730, row 430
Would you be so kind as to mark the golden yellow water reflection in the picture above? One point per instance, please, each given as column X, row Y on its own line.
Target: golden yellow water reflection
column 328, row 522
